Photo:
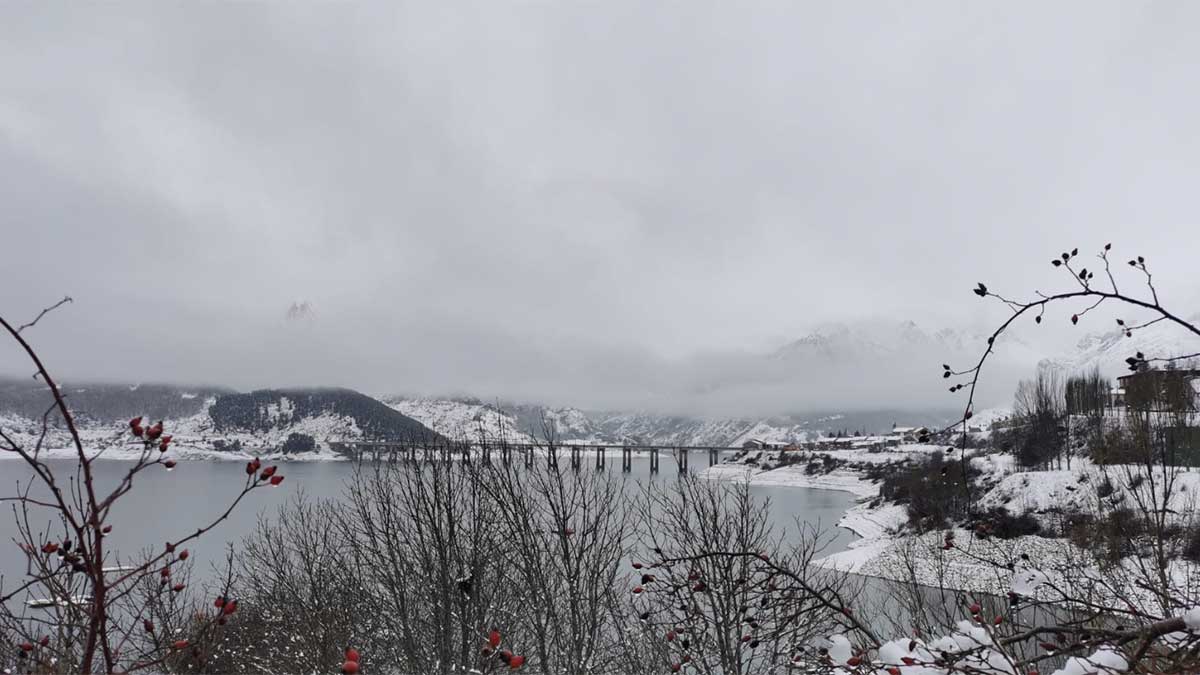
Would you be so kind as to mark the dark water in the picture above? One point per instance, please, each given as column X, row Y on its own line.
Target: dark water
column 166, row 504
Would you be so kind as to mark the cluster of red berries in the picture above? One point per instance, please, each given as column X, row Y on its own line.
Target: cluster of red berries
column 513, row 661
column 152, row 437
column 28, row 647
column 350, row 666
column 268, row 474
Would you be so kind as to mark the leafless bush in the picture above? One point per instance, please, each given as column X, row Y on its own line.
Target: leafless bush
column 81, row 606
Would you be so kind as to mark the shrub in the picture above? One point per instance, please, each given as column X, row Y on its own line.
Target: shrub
column 936, row 491
column 998, row 522
column 297, row 443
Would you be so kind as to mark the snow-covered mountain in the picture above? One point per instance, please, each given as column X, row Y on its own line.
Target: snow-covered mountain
column 880, row 339
column 259, row 422
column 1108, row 350
column 466, row 418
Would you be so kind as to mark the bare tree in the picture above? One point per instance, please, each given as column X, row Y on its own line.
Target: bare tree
column 721, row 613
column 92, row 625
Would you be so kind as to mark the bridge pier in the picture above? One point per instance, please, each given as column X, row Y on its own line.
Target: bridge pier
column 576, row 457
column 600, row 458
column 626, row 460
column 551, row 457
column 653, row 460
column 713, row 456
column 681, row 460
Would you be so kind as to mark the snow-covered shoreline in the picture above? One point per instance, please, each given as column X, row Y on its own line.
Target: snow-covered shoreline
column 873, row 526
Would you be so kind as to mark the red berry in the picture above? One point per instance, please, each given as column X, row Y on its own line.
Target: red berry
column 178, row 587
column 637, row 589
column 516, row 662
column 975, row 609
column 267, row 473
column 893, row 671
column 853, row 661
column 350, row 667
column 231, row 607
column 276, row 480
column 135, row 422
column 26, row 646
column 106, row 529
column 494, row 638
column 998, row 620
column 219, row 602
column 352, row 654
column 637, row 565
column 908, row 660
column 45, row 641
column 148, row 625
column 568, row 531
column 170, row 464
column 180, row 644
column 49, row 547
column 155, row 431
column 675, row 667
column 670, row 636
column 183, row 555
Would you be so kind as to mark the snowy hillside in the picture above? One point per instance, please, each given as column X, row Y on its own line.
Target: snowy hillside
column 473, row 419
column 1108, row 350
column 461, row 418
column 302, row 421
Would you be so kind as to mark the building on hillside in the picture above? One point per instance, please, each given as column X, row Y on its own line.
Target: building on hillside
column 909, row 434
column 1159, row 390
column 756, row 444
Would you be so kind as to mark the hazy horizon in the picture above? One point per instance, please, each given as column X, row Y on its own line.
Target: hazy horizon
column 577, row 204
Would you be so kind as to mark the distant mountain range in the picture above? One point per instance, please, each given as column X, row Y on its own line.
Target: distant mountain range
column 881, row 356
column 469, row 418
column 1107, row 351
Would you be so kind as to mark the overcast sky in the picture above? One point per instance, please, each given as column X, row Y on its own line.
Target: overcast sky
column 581, row 202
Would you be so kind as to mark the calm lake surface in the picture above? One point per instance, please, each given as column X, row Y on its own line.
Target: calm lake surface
column 167, row 504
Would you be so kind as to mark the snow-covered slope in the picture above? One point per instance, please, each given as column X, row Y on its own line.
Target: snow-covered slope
column 472, row 419
column 1108, row 350
column 461, row 418
column 304, row 421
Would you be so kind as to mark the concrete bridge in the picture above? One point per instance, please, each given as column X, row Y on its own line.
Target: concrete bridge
column 577, row 454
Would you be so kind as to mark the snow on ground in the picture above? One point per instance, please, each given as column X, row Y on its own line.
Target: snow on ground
column 1088, row 488
column 887, row 550
column 793, row 476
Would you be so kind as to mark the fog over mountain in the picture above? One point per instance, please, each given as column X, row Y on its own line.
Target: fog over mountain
column 614, row 206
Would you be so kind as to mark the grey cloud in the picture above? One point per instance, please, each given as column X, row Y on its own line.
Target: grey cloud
column 596, row 204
